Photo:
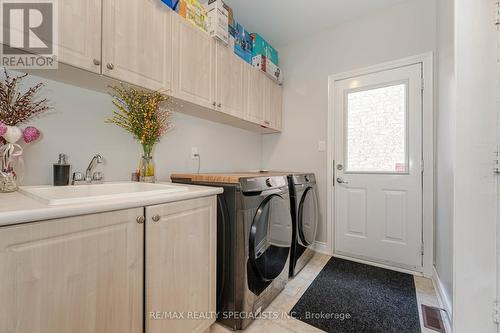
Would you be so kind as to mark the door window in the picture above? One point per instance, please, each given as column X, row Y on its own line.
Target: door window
column 376, row 130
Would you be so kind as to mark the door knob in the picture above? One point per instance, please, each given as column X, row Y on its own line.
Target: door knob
column 156, row 218
column 110, row 66
column 341, row 181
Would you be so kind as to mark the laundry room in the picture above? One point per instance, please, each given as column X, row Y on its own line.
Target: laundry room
column 210, row 166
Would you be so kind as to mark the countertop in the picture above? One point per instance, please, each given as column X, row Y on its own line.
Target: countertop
column 226, row 178
column 16, row 208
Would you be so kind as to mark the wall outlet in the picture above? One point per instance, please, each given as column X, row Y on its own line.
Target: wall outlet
column 194, row 153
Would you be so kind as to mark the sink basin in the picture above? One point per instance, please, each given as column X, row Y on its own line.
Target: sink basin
column 66, row 195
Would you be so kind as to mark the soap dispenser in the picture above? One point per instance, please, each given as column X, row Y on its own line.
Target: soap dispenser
column 61, row 171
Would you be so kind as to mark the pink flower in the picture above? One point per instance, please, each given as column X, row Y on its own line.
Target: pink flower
column 3, row 129
column 31, row 134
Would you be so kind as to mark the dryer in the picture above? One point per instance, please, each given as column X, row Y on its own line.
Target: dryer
column 254, row 241
column 305, row 217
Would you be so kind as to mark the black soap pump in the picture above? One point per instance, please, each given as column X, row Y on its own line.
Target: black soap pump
column 61, row 171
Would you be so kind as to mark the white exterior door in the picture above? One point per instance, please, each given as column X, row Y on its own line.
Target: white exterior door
column 378, row 167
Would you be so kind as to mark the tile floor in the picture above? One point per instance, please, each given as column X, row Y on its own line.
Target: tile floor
column 296, row 287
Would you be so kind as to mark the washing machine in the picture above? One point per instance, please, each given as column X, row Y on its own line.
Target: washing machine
column 254, row 241
column 305, row 217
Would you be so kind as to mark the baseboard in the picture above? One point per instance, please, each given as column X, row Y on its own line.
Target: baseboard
column 322, row 247
column 443, row 299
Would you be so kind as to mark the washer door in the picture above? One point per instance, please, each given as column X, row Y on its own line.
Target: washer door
column 270, row 237
column 307, row 217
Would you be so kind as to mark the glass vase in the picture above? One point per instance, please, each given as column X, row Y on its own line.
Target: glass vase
column 8, row 182
column 8, row 177
column 147, row 166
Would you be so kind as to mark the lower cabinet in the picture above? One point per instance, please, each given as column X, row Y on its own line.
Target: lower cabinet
column 86, row 273
column 180, row 266
column 78, row 274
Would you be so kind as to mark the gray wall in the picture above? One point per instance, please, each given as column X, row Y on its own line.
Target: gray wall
column 76, row 127
column 395, row 32
column 445, row 145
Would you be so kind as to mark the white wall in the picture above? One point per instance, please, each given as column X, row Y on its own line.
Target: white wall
column 395, row 32
column 445, row 147
column 76, row 127
column 475, row 216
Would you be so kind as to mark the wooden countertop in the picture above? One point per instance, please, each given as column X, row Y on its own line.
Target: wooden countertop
column 225, row 178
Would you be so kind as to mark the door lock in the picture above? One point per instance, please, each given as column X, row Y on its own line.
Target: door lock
column 341, row 181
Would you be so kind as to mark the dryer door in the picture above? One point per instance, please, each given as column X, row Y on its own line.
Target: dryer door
column 307, row 217
column 270, row 237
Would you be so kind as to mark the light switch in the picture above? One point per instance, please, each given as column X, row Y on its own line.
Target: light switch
column 321, row 146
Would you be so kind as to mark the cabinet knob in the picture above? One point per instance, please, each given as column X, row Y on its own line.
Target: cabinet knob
column 156, row 218
column 140, row 219
column 110, row 66
column 97, row 62
column 219, row 105
column 214, row 104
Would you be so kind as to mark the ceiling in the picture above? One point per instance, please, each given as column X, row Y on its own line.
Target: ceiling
column 282, row 21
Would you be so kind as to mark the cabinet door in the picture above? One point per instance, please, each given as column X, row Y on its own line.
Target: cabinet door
column 79, row 274
column 180, row 264
column 193, row 59
column 79, row 39
column 254, row 95
column 273, row 104
column 137, row 43
column 229, row 81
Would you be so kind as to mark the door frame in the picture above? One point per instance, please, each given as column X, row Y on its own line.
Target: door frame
column 428, row 133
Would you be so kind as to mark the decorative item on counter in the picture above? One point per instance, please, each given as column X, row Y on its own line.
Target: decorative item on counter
column 16, row 108
column 268, row 67
column 146, row 115
column 218, row 21
column 261, row 47
column 194, row 12
column 61, row 171
column 242, row 42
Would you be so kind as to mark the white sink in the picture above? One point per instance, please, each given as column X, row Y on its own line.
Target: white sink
column 66, row 195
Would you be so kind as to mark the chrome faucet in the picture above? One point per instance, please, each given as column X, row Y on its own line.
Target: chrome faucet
column 97, row 159
column 90, row 177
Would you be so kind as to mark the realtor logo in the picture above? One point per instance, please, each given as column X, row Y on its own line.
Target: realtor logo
column 28, row 34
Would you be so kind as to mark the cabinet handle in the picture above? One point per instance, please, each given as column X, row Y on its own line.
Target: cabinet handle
column 156, row 218
column 214, row 103
column 140, row 219
column 110, row 66
column 219, row 105
column 97, row 62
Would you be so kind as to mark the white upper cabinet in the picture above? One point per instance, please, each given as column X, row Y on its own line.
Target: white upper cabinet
column 193, row 64
column 79, row 39
column 229, row 80
column 273, row 103
column 254, row 95
column 136, row 42
column 146, row 44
